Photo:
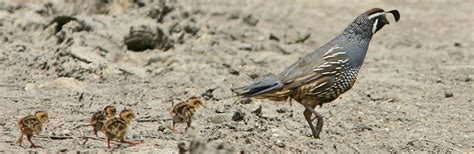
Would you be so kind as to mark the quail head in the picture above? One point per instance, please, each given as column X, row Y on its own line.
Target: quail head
column 98, row 118
column 184, row 111
column 117, row 127
column 322, row 75
column 32, row 125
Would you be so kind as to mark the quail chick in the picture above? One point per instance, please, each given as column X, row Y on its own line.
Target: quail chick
column 184, row 111
column 98, row 119
column 322, row 75
column 117, row 127
column 32, row 125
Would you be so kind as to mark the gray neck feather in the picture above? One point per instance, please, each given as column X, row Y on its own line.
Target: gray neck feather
column 360, row 30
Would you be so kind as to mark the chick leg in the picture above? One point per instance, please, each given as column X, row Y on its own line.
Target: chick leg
column 188, row 123
column 319, row 125
column 174, row 127
column 32, row 144
column 20, row 140
column 108, row 142
column 95, row 132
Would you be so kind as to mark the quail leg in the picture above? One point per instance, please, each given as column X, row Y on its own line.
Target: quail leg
column 95, row 132
column 318, row 116
column 174, row 127
column 32, row 144
column 20, row 140
column 188, row 124
column 108, row 142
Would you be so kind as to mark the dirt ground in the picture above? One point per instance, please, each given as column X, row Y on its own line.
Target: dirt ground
column 414, row 92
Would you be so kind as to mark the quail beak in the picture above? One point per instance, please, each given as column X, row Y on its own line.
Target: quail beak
column 384, row 20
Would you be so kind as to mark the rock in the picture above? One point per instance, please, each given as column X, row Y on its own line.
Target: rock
column 250, row 20
column 457, row 44
column 60, row 21
column 363, row 127
column 274, row 46
column 234, row 15
column 246, row 46
column 279, row 143
column 231, row 125
column 191, row 28
column 221, row 109
column 217, row 119
column 468, row 79
column 64, row 82
column 448, row 94
column 248, row 141
column 143, row 37
column 182, row 149
column 274, row 37
column 245, row 101
column 281, row 110
column 197, row 147
column 86, row 55
column 257, row 111
column 232, row 70
column 238, row 116
column 293, row 36
column 161, row 128
column 31, row 86
column 303, row 37
column 5, row 7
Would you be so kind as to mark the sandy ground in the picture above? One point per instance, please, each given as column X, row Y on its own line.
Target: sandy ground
column 414, row 92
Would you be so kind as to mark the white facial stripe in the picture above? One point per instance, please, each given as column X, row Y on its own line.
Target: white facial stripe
column 376, row 15
column 374, row 27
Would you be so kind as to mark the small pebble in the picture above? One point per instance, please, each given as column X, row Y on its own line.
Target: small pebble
column 468, row 79
column 457, row 44
column 245, row 101
column 257, row 111
column 246, row 46
column 281, row 110
column 448, row 94
column 238, row 116
column 221, row 109
column 279, row 143
column 251, row 20
column 274, row 37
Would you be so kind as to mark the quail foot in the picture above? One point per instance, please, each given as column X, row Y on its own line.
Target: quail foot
column 322, row 75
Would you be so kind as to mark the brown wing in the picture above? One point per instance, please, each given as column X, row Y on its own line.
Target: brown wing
column 95, row 117
column 318, row 68
column 178, row 108
column 115, row 128
column 30, row 124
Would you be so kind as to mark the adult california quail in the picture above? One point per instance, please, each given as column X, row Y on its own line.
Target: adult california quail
column 322, row 75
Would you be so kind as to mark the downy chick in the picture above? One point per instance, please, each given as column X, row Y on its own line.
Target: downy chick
column 98, row 119
column 184, row 111
column 32, row 125
column 116, row 128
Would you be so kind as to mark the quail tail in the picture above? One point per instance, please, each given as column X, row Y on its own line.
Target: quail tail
column 260, row 87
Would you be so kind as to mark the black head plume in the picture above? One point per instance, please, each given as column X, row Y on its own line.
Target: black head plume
column 395, row 14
